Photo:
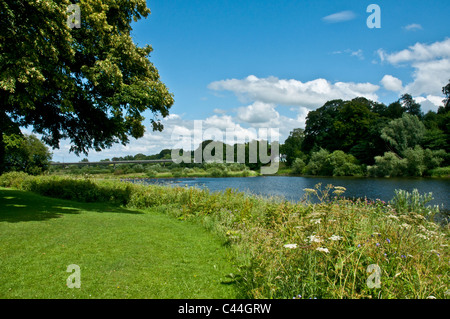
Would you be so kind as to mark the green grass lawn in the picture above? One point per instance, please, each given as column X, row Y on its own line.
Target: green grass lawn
column 121, row 253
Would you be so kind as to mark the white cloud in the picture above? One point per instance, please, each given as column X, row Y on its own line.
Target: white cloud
column 429, row 103
column 358, row 53
column 430, row 62
column 392, row 83
column 258, row 112
column 412, row 27
column 339, row 17
column 418, row 52
column 311, row 94
column 221, row 122
column 429, row 77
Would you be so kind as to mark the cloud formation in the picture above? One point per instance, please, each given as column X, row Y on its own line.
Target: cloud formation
column 392, row 83
column 430, row 62
column 339, row 17
column 310, row 94
column 412, row 27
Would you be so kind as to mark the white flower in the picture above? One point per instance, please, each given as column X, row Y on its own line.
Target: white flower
column 325, row 250
column 315, row 239
column 405, row 225
column 315, row 221
column 422, row 236
column 290, row 246
column 336, row 237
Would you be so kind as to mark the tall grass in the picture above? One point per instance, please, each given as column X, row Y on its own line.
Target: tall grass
column 303, row 250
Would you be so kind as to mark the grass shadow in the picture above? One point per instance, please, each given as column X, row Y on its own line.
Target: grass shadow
column 21, row 206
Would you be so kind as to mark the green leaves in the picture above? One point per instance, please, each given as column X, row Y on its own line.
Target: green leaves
column 403, row 133
column 88, row 84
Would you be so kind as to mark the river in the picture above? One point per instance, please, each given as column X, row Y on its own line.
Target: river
column 292, row 188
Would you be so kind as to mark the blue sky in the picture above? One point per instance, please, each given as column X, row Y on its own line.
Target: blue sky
column 265, row 64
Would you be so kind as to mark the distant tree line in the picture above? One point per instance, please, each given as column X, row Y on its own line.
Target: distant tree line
column 363, row 137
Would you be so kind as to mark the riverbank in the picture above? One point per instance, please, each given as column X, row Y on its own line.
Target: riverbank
column 283, row 249
column 215, row 171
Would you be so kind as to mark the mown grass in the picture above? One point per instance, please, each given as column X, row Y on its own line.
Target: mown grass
column 283, row 249
column 121, row 252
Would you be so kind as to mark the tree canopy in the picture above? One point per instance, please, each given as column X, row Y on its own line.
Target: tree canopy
column 26, row 153
column 372, row 133
column 90, row 85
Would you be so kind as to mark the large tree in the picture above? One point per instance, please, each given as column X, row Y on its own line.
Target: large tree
column 351, row 126
column 403, row 133
column 26, row 153
column 410, row 105
column 90, row 85
column 446, row 91
column 292, row 146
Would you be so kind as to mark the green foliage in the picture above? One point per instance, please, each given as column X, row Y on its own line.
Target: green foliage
column 403, row 133
column 335, row 164
column 350, row 126
column 389, row 165
column 151, row 173
column 317, row 164
column 139, row 168
column 405, row 202
column 298, row 166
column 26, row 153
column 417, row 162
column 89, row 84
column 293, row 145
column 440, row 172
column 410, row 106
column 367, row 130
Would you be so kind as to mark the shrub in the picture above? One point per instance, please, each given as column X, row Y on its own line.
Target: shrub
column 317, row 164
column 405, row 202
column 151, row 173
column 388, row 165
column 14, row 179
column 138, row 168
column 335, row 164
column 298, row 166
column 440, row 172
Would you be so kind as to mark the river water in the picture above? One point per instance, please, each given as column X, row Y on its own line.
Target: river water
column 292, row 188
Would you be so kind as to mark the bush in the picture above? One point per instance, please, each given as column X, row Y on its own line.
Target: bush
column 405, row 202
column 138, row 168
column 217, row 172
column 151, row 173
column 335, row 164
column 342, row 164
column 317, row 164
column 298, row 166
column 14, row 179
column 389, row 165
column 440, row 172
